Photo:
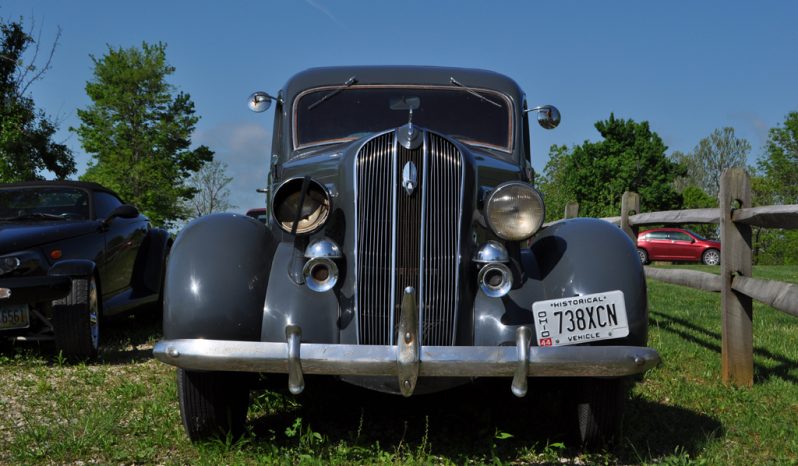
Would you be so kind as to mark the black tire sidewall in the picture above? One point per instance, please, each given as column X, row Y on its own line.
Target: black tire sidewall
column 72, row 323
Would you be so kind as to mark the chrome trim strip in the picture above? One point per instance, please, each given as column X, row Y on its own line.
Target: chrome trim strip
column 422, row 239
column 434, row 361
column 394, row 235
column 458, row 251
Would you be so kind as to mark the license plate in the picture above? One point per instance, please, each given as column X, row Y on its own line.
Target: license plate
column 581, row 319
column 14, row 316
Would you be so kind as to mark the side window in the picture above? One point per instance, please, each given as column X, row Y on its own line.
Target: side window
column 657, row 235
column 679, row 236
column 104, row 204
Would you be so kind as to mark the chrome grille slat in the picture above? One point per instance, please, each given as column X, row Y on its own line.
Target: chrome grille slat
column 421, row 230
column 374, row 223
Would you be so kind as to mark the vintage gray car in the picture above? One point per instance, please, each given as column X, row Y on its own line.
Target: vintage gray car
column 405, row 253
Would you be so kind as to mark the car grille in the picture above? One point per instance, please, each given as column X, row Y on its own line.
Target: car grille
column 407, row 240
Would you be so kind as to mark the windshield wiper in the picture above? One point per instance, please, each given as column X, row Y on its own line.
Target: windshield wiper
column 347, row 83
column 34, row 216
column 473, row 92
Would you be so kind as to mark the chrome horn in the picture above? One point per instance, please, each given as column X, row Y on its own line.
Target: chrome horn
column 320, row 271
column 495, row 278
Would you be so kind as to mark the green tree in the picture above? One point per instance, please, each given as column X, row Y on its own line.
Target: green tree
column 138, row 131
column 695, row 198
column 26, row 134
column 779, row 163
column 553, row 183
column 713, row 154
column 777, row 183
column 630, row 157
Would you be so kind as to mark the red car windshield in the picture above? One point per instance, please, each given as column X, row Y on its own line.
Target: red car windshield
column 329, row 115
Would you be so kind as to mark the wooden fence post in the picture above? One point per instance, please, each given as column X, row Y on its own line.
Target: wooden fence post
column 737, row 353
column 572, row 210
column 630, row 202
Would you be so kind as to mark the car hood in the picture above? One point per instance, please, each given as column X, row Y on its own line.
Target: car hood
column 26, row 235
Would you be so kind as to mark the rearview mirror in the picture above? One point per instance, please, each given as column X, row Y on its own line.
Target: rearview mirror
column 260, row 101
column 548, row 116
column 405, row 103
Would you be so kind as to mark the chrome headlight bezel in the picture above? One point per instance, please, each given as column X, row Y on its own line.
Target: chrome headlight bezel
column 316, row 193
column 508, row 193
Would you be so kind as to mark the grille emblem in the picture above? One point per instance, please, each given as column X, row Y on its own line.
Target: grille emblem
column 409, row 178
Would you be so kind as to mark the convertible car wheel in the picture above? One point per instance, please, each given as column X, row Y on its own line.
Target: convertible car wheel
column 77, row 318
column 599, row 410
column 213, row 404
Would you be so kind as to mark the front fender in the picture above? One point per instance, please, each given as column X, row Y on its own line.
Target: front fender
column 216, row 279
column 148, row 269
column 570, row 258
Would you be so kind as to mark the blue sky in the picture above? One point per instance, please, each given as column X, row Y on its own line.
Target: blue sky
column 686, row 67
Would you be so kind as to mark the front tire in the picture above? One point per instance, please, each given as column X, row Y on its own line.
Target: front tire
column 213, row 404
column 77, row 319
column 711, row 257
column 599, row 410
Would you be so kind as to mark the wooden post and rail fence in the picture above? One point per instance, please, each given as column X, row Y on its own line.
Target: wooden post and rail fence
column 735, row 284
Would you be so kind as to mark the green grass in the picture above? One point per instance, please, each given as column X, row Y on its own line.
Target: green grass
column 123, row 408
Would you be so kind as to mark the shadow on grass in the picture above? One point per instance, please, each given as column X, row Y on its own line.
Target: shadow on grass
column 128, row 339
column 712, row 342
column 123, row 340
column 653, row 430
column 472, row 422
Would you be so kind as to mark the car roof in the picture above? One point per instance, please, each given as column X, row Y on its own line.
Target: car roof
column 88, row 185
column 401, row 75
column 664, row 229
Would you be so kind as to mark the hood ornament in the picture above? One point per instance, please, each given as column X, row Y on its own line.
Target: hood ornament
column 409, row 178
column 408, row 135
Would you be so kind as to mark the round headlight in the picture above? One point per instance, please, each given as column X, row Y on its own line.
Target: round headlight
column 514, row 210
column 8, row 264
column 311, row 215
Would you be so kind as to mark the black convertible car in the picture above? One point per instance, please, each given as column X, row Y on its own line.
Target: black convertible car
column 72, row 253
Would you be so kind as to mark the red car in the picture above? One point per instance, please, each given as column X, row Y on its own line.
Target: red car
column 676, row 244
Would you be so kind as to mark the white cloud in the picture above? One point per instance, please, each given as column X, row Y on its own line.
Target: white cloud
column 326, row 12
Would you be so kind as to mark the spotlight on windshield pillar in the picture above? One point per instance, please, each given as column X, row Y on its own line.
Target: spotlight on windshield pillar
column 260, row 101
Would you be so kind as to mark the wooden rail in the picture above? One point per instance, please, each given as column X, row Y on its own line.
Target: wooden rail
column 734, row 283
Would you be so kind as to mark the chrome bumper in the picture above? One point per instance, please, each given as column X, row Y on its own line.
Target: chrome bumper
column 407, row 361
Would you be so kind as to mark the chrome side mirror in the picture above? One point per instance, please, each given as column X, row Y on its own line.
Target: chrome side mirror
column 548, row 116
column 260, row 101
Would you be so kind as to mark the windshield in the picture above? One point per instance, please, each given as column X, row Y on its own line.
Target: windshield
column 330, row 115
column 43, row 203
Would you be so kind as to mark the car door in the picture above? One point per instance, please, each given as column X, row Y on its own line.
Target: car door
column 658, row 244
column 123, row 237
column 682, row 247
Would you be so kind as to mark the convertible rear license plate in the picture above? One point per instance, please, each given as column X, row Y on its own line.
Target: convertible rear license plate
column 14, row 316
column 580, row 319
